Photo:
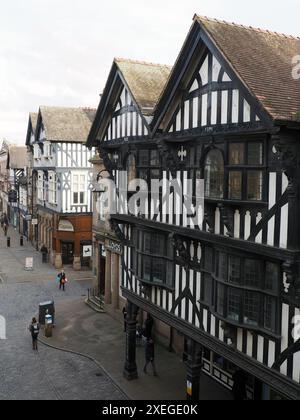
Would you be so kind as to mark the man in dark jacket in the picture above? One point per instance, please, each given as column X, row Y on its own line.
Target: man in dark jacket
column 34, row 329
column 150, row 356
column 149, row 323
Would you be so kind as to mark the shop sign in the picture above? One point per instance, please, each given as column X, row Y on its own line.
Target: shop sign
column 65, row 226
column 34, row 222
column 114, row 247
column 87, row 251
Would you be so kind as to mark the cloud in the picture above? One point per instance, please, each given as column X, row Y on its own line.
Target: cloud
column 55, row 52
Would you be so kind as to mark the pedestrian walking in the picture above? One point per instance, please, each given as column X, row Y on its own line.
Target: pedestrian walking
column 62, row 280
column 149, row 323
column 150, row 356
column 34, row 329
column 125, row 317
column 239, row 389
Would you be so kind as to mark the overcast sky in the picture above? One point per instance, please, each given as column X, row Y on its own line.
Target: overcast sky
column 59, row 52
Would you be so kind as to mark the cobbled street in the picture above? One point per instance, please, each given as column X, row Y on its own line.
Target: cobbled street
column 49, row 374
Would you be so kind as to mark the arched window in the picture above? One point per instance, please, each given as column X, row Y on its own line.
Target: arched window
column 131, row 168
column 214, row 174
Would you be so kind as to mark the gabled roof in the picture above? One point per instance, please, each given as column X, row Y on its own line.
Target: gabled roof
column 263, row 60
column 146, row 81
column 260, row 59
column 66, row 124
column 32, row 123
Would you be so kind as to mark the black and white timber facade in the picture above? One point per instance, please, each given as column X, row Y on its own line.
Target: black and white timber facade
column 231, row 285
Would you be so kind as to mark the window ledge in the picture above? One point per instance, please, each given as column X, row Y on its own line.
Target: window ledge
column 150, row 283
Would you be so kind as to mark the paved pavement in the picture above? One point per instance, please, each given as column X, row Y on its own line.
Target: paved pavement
column 53, row 374
column 50, row 374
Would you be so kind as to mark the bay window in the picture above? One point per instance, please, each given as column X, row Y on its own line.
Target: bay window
column 153, row 257
column 240, row 289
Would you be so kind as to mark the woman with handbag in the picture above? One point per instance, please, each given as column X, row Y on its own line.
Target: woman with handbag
column 62, row 280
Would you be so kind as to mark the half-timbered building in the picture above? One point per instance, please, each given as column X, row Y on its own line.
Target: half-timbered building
column 31, row 181
column 64, row 183
column 227, row 282
column 125, row 112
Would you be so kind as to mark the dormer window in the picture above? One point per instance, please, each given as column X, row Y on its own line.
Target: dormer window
column 47, row 150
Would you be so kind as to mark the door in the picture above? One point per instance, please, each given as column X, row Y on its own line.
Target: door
column 67, row 249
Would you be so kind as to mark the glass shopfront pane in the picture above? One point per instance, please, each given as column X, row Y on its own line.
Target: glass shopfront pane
column 170, row 274
column 254, row 185
column 223, row 268
column 234, row 304
column 252, row 273
column 143, row 174
column 236, row 154
column 147, row 243
column 270, row 313
column 144, row 158
column 158, row 267
column 221, row 299
column 158, row 244
column 272, row 277
column 146, row 268
column 155, row 174
column 255, row 154
column 214, row 175
column 235, row 185
column 251, row 308
column 234, row 270
column 154, row 158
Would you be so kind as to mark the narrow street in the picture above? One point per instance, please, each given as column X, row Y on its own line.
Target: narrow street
column 48, row 374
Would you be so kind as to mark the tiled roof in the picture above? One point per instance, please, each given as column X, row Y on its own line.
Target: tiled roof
column 146, row 81
column 263, row 60
column 18, row 157
column 67, row 124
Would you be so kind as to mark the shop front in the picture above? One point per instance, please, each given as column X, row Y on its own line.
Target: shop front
column 72, row 242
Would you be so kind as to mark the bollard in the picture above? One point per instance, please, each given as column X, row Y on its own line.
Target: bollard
column 21, row 240
column 8, row 242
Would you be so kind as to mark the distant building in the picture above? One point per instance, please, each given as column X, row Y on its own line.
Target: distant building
column 63, row 184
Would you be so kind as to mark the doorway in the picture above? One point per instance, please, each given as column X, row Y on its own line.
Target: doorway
column 67, row 249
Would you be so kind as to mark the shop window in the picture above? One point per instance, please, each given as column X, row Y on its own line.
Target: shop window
column 254, row 185
column 214, row 175
column 235, row 185
column 236, row 154
column 255, row 154
column 246, row 291
column 234, row 270
column 251, row 308
column 155, row 259
column 131, row 168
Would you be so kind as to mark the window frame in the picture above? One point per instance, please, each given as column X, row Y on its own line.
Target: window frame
column 139, row 256
column 79, row 192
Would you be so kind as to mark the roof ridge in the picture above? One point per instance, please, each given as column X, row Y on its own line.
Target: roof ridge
column 146, row 63
column 249, row 28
